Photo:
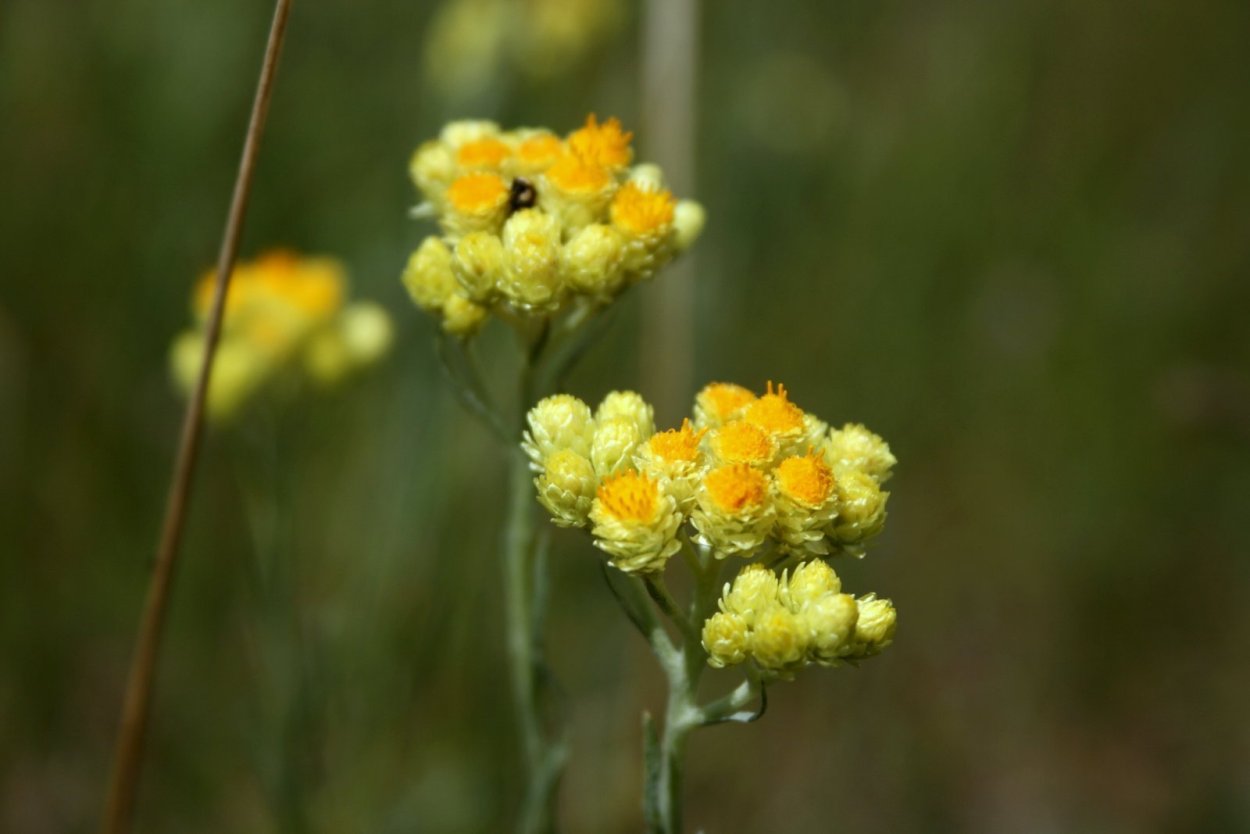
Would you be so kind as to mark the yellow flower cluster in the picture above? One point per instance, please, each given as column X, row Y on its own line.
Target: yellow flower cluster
column 751, row 473
column 532, row 222
column 474, row 43
column 802, row 617
column 283, row 313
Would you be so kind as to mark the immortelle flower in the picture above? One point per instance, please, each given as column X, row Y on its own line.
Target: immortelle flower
column 635, row 522
column 674, row 456
column 719, row 403
column 557, row 423
column 760, row 476
column 567, row 488
column 733, row 510
column 533, row 225
column 287, row 316
column 751, row 476
column 806, row 503
column 855, row 447
column 784, row 623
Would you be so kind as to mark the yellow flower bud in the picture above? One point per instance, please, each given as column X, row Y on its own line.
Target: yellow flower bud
column 477, row 263
column 725, row 637
column 874, row 628
column 778, row 640
column 432, row 168
column 556, row 423
column 326, row 358
column 635, row 522
column 809, row 582
column 720, row 403
column 428, row 277
column 861, row 510
column 567, row 488
column 238, row 371
column 830, row 624
column 458, row 133
column 753, row 592
column 631, row 406
column 360, row 336
column 185, row 356
column 367, row 332
column 647, row 175
column 531, row 277
column 615, row 441
column 855, row 447
column 688, row 221
column 592, row 261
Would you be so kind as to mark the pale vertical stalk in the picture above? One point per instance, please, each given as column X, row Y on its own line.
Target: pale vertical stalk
column 543, row 749
column 670, row 54
column 128, row 756
column 683, row 667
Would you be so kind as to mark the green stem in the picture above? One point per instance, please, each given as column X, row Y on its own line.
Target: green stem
column 683, row 667
column 544, row 750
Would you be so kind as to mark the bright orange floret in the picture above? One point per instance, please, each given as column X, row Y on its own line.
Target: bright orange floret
column 677, row 445
column 807, row 479
column 540, row 151
column 640, row 211
column 724, row 398
column 575, row 175
column 741, row 442
column 603, row 144
column 774, row 412
column 736, row 487
column 629, row 496
column 487, row 152
column 474, row 193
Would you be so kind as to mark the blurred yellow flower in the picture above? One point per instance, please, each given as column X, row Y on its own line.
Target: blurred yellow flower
column 473, row 43
column 284, row 315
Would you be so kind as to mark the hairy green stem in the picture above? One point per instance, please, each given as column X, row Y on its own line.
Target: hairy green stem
column 664, row 753
column 544, row 750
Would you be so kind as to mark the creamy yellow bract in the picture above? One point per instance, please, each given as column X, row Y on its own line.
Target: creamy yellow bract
column 802, row 617
column 284, row 314
column 533, row 224
column 752, row 476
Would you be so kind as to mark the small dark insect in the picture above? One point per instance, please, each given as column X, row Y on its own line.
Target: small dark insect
column 521, row 195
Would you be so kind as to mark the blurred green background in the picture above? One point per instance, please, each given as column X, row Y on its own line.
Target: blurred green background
column 1012, row 237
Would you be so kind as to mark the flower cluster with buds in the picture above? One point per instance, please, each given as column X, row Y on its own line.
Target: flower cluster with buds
column 785, row 622
column 751, row 476
column 284, row 314
column 532, row 223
